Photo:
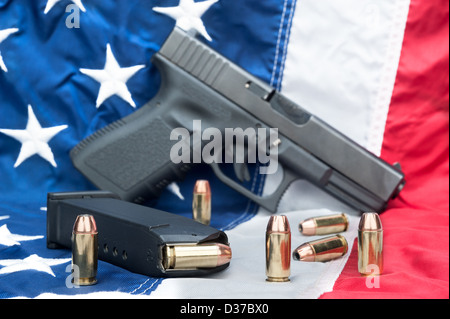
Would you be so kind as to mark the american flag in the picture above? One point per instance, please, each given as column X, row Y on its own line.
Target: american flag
column 70, row 67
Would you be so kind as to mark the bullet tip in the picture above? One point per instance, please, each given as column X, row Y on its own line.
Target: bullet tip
column 224, row 256
column 304, row 253
column 202, row 187
column 278, row 224
column 85, row 224
column 308, row 227
column 370, row 222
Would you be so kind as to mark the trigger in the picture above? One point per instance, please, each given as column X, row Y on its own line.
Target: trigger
column 242, row 173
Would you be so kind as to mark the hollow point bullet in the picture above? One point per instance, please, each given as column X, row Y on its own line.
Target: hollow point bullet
column 201, row 204
column 322, row 250
column 278, row 249
column 184, row 257
column 370, row 245
column 324, row 225
column 85, row 251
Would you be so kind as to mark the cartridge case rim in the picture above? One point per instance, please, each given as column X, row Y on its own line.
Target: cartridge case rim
column 347, row 222
column 345, row 243
column 84, row 281
column 278, row 279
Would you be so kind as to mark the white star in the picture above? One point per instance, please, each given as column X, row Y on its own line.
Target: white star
column 8, row 239
column 113, row 79
column 33, row 262
column 188, row 15
column 4, row 34
column 175, row 189
column 51, row 4
column 34, row 139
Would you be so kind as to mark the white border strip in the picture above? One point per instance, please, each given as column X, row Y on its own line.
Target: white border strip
column 385, row 90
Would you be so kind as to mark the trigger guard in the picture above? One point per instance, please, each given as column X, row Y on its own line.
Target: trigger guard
column 269, row 202
column 242, row 172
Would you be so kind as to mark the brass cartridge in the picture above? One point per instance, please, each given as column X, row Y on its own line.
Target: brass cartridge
column 370, row 245
column 322, row 250
column 85, row 251
column 324, row 225
column 278, row 249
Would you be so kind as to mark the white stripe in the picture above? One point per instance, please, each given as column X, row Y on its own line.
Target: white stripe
column 134, row 291
column 151, row 286
column 386, row 84
column 280, row 33
column 339, row 54
column 286, row 44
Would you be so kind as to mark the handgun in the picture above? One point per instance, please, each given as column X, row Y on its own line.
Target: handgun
column 132, row 156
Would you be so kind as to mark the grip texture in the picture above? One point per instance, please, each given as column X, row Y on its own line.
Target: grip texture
column 128, row 161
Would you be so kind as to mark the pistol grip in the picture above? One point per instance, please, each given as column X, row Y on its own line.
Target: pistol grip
column 269, row 202
column 130, row 157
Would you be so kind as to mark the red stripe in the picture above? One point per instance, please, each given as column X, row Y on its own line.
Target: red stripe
column 416, row 226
